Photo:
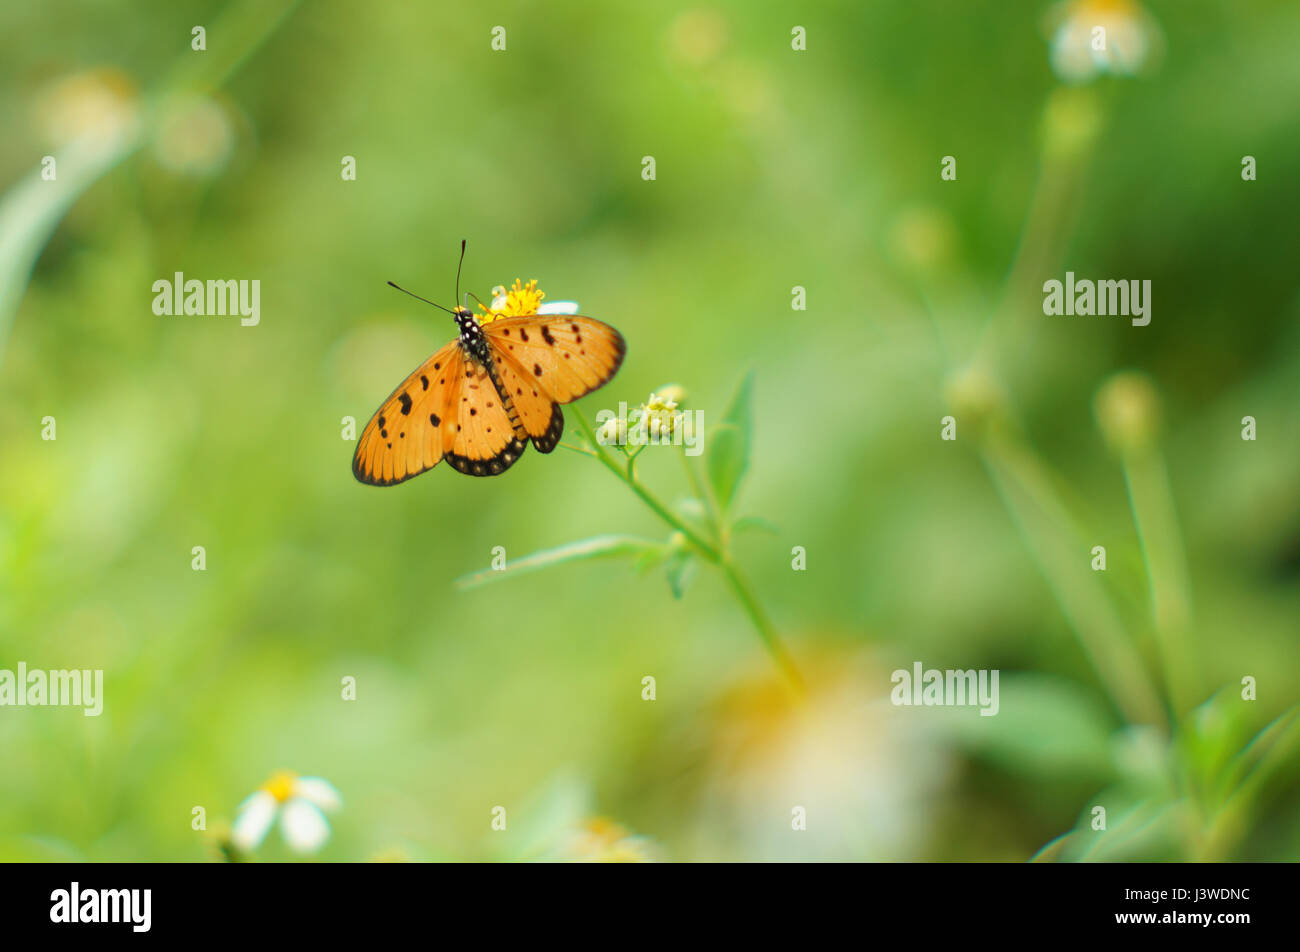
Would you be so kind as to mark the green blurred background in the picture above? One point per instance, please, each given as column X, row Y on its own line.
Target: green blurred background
column 776, row 168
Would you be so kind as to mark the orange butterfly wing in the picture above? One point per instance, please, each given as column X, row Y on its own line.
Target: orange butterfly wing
column 446, row 408
column 487, row 439
column 545, row 360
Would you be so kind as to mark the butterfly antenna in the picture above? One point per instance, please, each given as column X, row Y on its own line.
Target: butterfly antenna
column 418, row 298
column 459, row 266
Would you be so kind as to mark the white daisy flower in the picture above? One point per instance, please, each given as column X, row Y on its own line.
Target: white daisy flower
column 558, row 307
column 1092, row 37
column 301, row 804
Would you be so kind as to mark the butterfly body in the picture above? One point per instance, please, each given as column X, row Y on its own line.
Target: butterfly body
column 482, row 398
column 472, row 340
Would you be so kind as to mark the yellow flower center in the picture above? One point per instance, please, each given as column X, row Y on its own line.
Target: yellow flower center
column 281, row 785
column 517, row 301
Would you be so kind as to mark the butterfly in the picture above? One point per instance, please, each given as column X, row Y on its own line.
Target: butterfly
column 482, row 398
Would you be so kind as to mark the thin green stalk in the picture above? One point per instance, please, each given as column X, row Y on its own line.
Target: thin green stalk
column 710, row 552
column 1045, row 523
column 704, row 492
column 716, row 554
column 740, row 585
column 1152, row 504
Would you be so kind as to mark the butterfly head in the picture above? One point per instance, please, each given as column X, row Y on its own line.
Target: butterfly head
column 471, row 335
column 466, row 321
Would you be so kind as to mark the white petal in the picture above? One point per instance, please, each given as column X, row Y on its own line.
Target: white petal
column 558, row 307
column 253, row 821
column 303, row 826
column 319, row 791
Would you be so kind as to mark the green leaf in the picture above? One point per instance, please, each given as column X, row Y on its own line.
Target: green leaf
column 727, row 457
column 681, row 572
column 1045, row 726
column 597, row 547
column 1136, row 831
column 755, row 522
column 1268, row 752
column 653, row 558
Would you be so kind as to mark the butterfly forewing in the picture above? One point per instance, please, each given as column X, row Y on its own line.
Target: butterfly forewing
column 405, row 436
column 543, row 361
column 569, row 356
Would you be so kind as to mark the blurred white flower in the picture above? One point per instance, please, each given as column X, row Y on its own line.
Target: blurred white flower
column 301, row 804
column 922, row 238
column 601, row 840
column 101, row 104
column 868, row 774
column 1090, row 37
column 195, row 137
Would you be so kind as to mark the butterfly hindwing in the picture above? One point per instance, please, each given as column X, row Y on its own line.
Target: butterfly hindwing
column 538, row 413
column 487, row 440
column 408, row 434
column 545, row 360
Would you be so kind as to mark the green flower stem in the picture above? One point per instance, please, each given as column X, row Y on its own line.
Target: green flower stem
column 719, row 555
column 1026, row 489
column 740, row 585
column 705, row 492
column 1152, row 503
column 625, row 474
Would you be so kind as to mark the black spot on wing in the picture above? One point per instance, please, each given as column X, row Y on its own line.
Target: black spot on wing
column 405, row 398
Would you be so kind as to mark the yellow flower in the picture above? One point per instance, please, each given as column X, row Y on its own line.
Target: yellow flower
column 600, row 840
column 1128, row 411
column 280, row 785
column 522, row 300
